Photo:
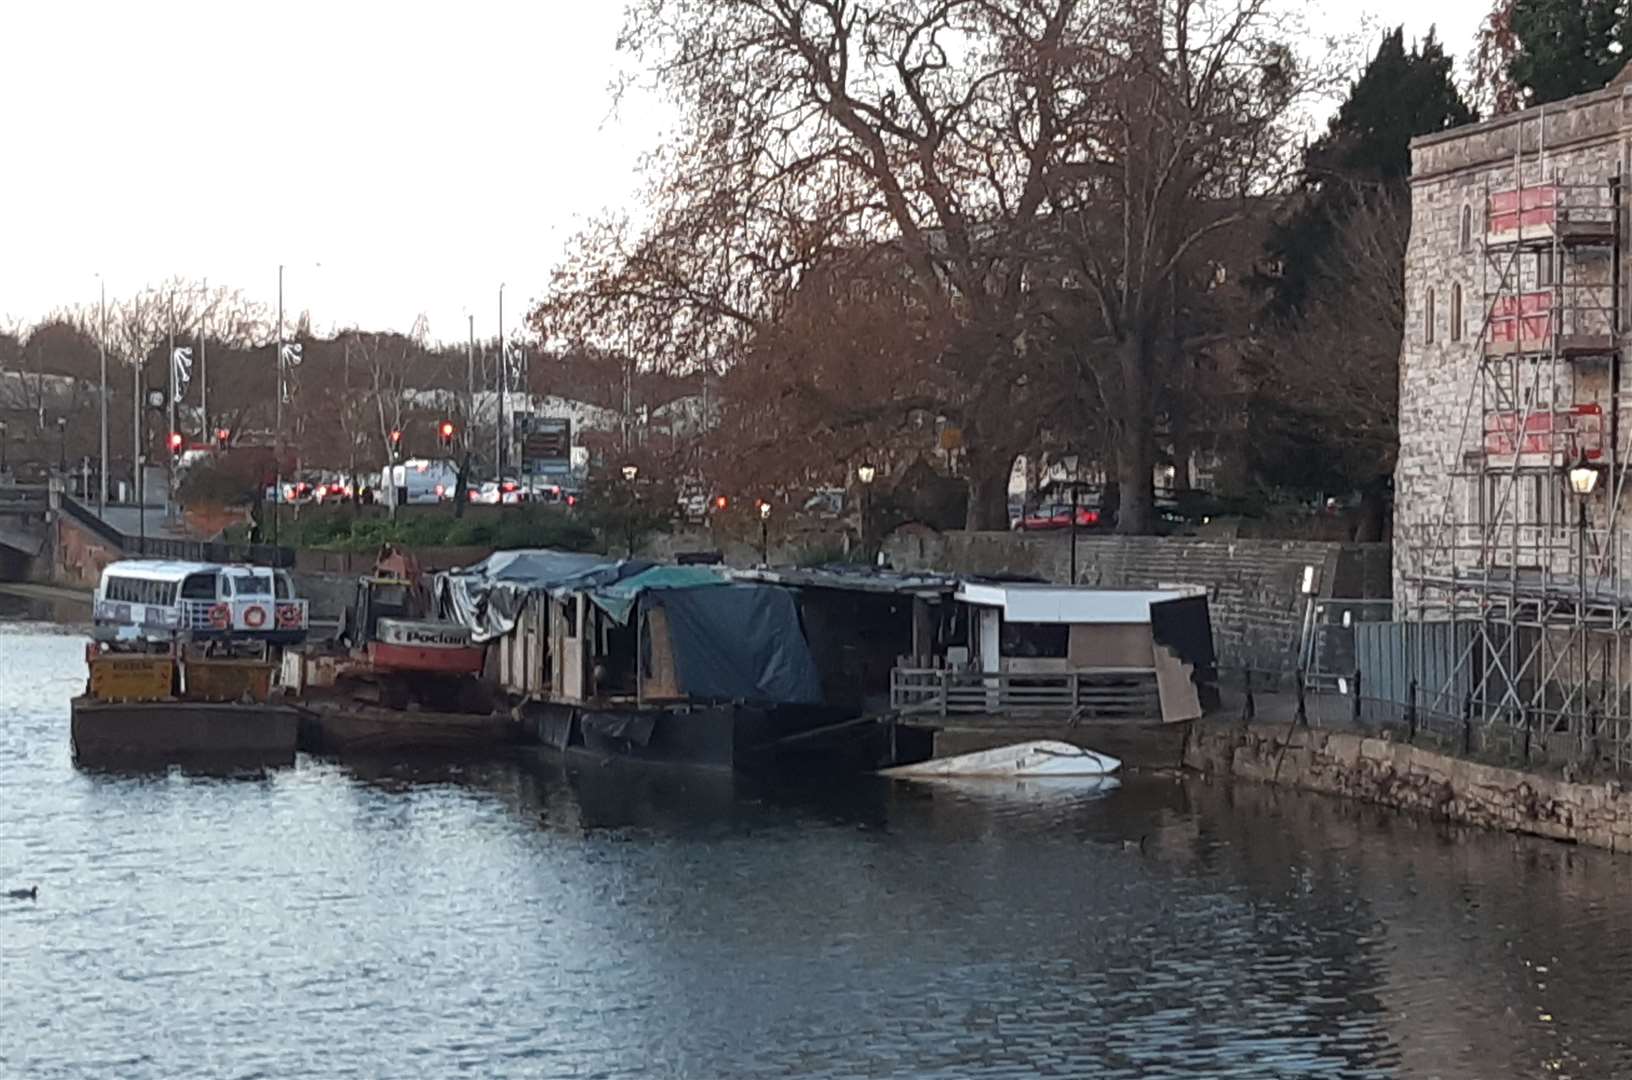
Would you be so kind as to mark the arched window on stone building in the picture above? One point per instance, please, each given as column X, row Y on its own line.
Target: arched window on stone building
column 1456, row 311
column 1467, row 228
column 1428, row 318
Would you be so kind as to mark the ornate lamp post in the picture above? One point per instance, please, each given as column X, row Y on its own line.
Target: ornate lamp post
column 764, row 533
column 630, row 472
column 1583, row 480
column 866, row 472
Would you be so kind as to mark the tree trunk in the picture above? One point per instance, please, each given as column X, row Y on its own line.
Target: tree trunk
column 988, row 491
column 1183, row 450
column 460, row 483
column 1136, row 445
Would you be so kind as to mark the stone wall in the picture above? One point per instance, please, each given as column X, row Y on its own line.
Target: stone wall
column 740, row 546
column 1254, row 587
column 1443, row 396
column 1417, row 779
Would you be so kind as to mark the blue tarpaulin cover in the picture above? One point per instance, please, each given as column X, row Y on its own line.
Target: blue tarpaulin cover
column 618, row 598
column 489, row 595
column 739, row 642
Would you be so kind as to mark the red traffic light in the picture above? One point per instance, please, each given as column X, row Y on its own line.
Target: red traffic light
column 175, row 442
column 446, row 428
column 396, row 435
column 222, row 437
column 721, row 502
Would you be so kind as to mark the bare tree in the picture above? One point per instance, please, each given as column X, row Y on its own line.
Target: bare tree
column 1335, row 369
column 911, row 139
column 957, row 146
column 1185, row 117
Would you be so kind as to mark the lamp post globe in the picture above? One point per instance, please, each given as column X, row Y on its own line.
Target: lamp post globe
column 1583, row 478
column 630, row 472
column 866, row 472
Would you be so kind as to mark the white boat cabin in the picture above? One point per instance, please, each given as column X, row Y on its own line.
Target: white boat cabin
column 1053, row 650
column 201, row 600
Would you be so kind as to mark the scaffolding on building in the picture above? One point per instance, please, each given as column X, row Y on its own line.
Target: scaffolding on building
column 1526, row 577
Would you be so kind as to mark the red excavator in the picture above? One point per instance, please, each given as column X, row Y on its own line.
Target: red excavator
column 397, row 643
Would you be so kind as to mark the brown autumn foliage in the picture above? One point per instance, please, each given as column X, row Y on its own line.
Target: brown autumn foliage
column 944, row 158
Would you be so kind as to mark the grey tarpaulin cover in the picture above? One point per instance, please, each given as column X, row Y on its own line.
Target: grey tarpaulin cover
column 739, row 642
column 488, row 596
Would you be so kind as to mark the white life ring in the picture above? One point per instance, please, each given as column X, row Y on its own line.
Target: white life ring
column 255, row 617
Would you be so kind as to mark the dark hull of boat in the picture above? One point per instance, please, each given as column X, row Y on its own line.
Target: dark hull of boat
column 727, row 737
column 341, row 727
column 198, row 733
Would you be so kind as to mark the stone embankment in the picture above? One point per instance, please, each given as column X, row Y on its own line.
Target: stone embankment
column 1413, row 778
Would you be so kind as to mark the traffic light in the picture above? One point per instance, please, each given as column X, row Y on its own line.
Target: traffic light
column 222, row 438
column 445, row 430
column 396, row 441
column 175, row 442
column 721, row 502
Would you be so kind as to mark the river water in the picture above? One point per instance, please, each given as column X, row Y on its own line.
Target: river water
column 529, row 917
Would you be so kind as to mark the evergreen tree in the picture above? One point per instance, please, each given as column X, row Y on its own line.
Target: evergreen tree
column 1566, row 47
column 1400, row 95
column 1327, row 358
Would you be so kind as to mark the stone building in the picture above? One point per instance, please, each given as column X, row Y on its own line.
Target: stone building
column 1515, row 418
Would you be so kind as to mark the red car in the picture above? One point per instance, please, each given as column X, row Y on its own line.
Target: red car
column 1057, row 517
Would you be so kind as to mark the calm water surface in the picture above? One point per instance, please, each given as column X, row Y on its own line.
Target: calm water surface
column 528, row 918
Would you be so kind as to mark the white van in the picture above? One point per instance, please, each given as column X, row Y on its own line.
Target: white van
column 202, row 599
column 417, row 481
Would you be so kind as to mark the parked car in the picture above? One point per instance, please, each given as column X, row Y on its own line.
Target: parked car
column 293, row 493
column 1058, row 516
column 506, row 492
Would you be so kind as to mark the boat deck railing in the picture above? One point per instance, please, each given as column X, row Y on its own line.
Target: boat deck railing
column 1102, row 693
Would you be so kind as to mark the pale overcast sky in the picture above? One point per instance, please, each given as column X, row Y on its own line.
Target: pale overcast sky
column 421, row 152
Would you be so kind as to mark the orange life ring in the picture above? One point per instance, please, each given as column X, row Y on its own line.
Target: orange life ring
column 255, row 617
column 288, row 616
column 220, row 616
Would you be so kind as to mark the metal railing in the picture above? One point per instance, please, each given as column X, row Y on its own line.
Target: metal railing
column 86, row 519
column 1102, row 693
column 216, row 552
column 1532, row 738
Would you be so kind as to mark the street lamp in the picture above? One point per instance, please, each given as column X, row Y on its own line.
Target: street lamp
column 630, row 471
column 764, row 533
column 1583, row 479
column 866, row 472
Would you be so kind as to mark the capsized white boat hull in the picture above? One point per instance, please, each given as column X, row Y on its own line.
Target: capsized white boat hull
column 1043, row 757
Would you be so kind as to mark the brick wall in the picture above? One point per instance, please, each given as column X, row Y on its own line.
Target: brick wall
column 78, row 556
column 1254, row 587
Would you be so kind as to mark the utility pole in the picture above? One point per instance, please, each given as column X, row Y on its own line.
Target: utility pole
column 136, row 405
column 277, row 423
column 503, row 381
column 203, row 372
column 175, row 384
column 470, row 379
column 102, row 356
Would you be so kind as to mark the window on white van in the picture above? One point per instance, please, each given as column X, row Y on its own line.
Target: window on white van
column 250, row 585
column 198, row 587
